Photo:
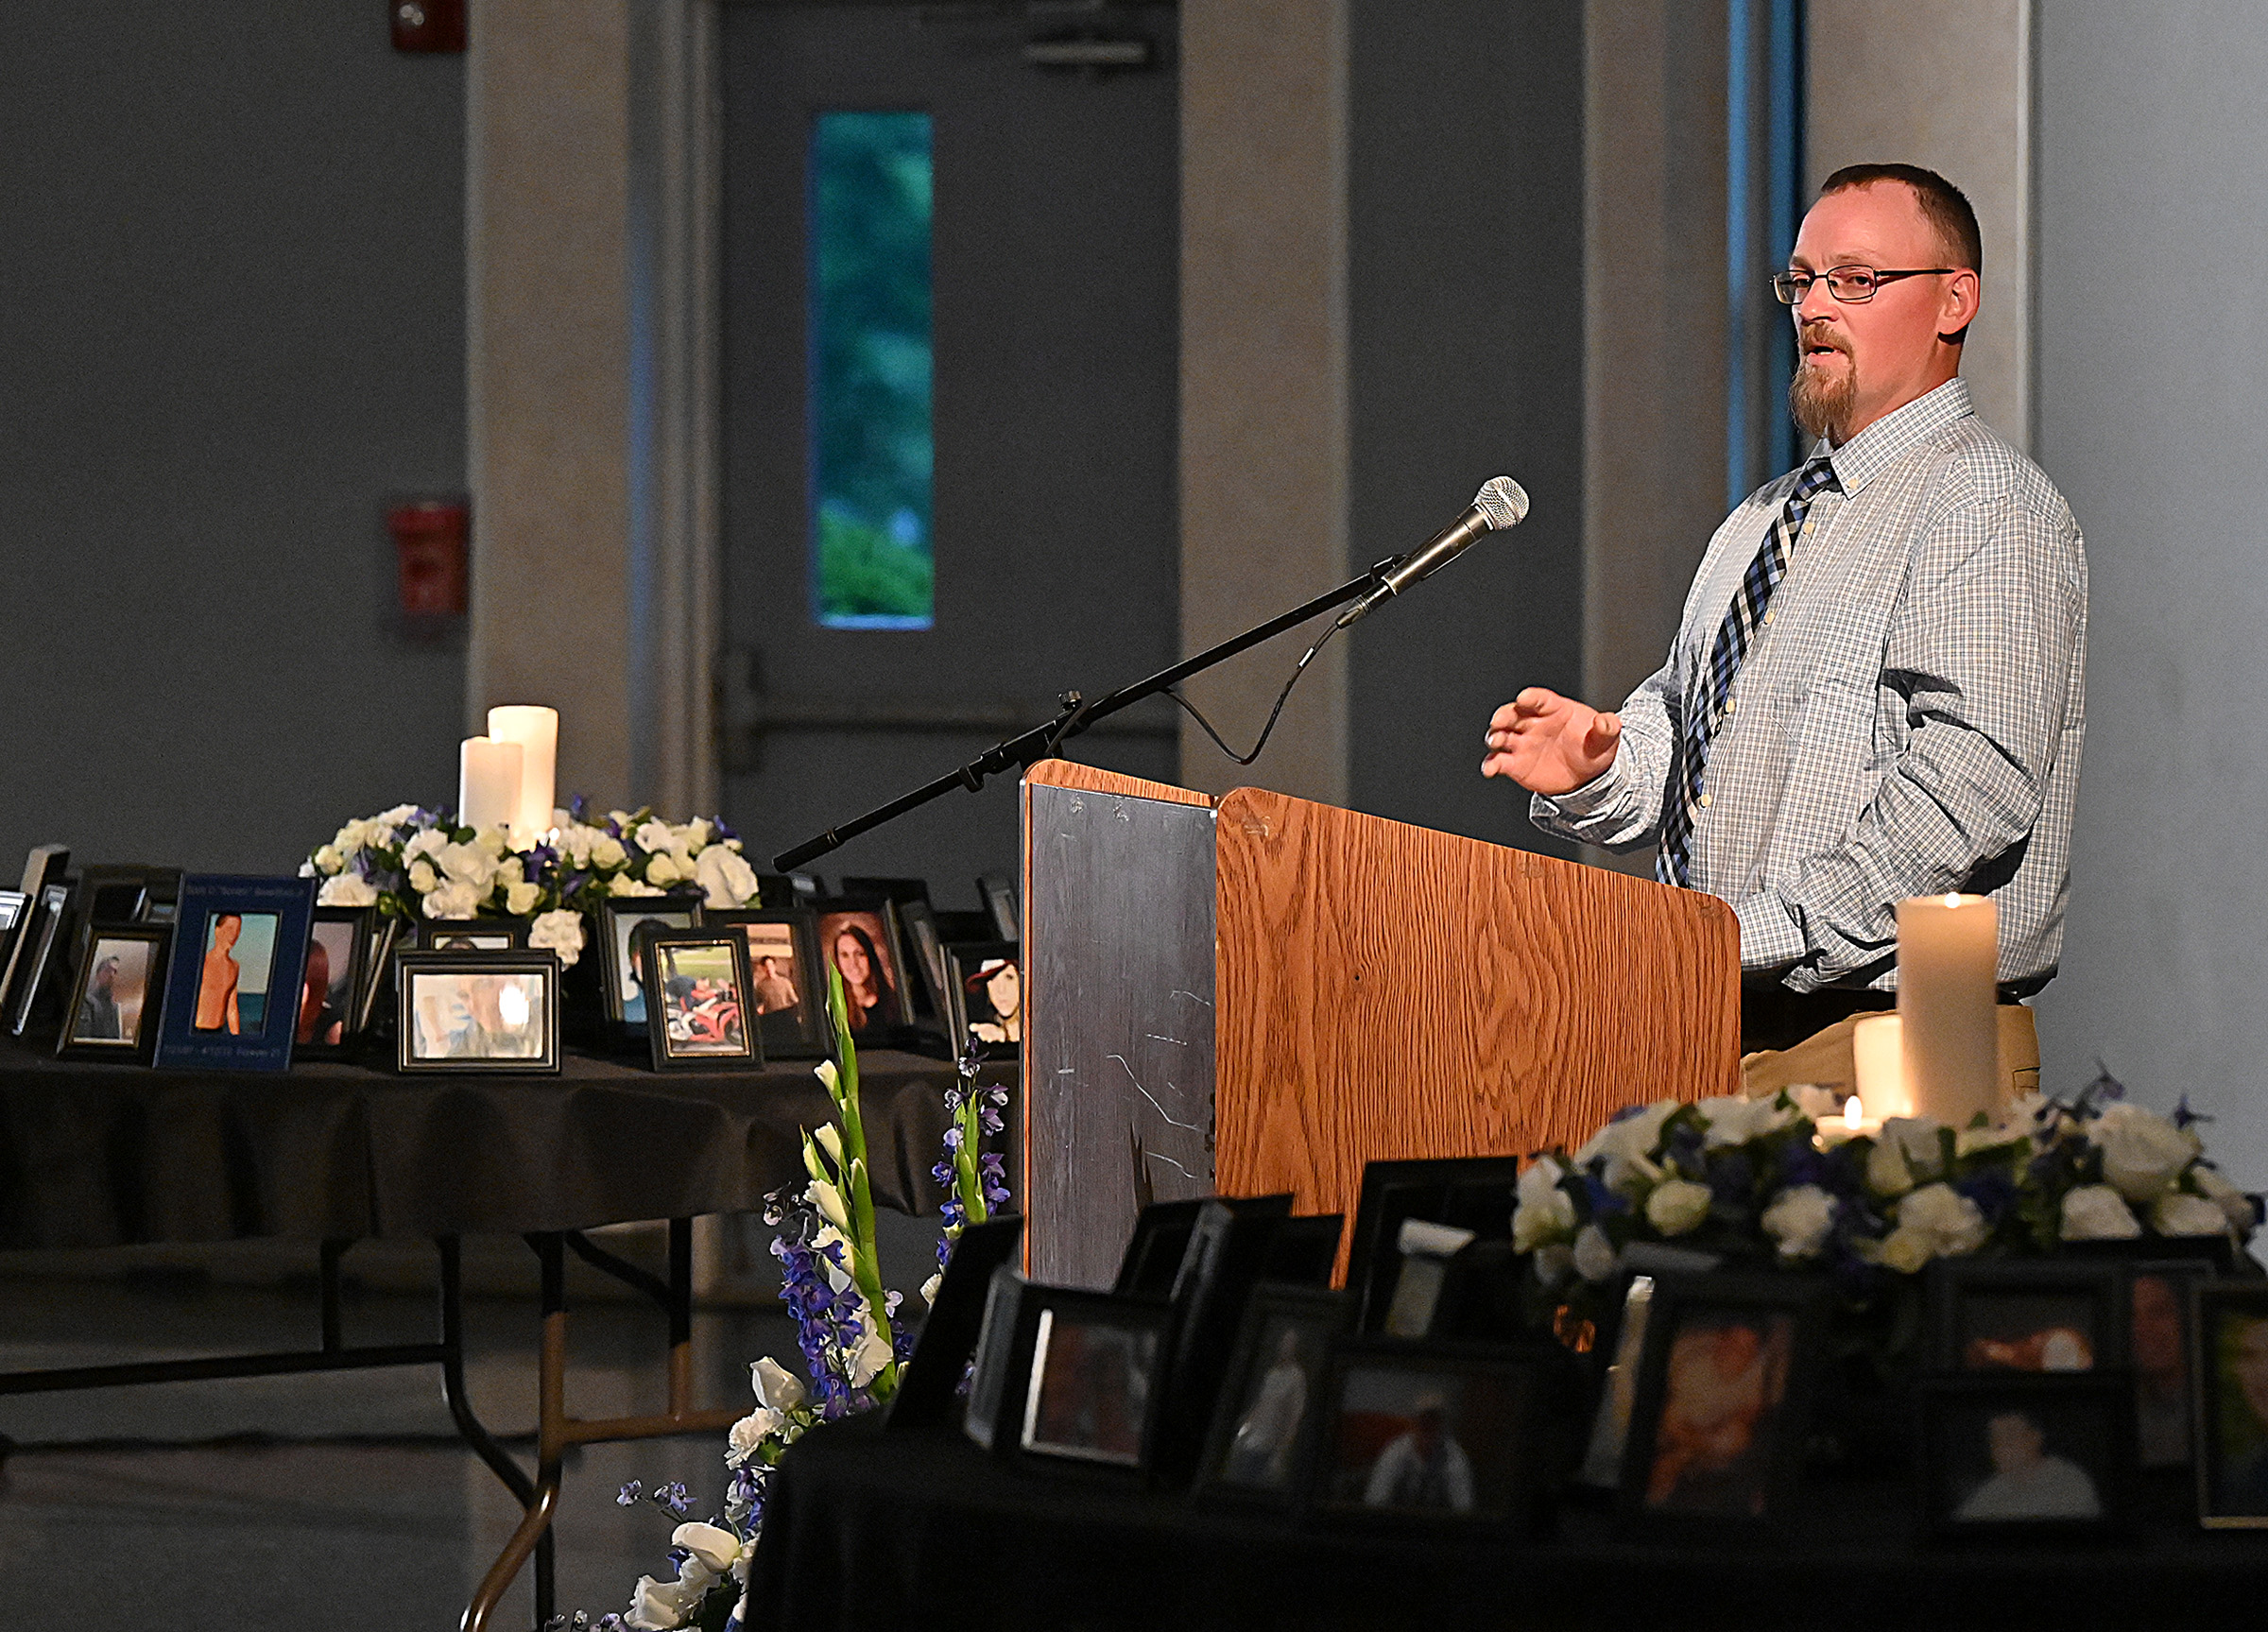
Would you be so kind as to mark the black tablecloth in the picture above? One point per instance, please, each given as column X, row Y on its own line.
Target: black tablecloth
column 99, row 1155
column 867, row 1530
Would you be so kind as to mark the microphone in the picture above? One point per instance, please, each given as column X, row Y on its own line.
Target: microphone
column 1501, row 503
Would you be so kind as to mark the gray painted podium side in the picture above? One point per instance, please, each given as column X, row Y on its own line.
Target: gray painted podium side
column 1118, row 1063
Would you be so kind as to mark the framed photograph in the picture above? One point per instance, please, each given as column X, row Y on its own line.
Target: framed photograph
column 2006, row 1454
column 1427, row 1435
column 36, row 946
column 785, row 979
column 1001, row 1365
column 15, row 912
column 2161, row 1352
column 619, row 977
column 696, row 992
column 1220, row 1267
column 330, row 994
column 238, row 971
column 46, row 867
column 861, row 938
column 384, row 934
column 1091, row 1391
column 111, row 893
column 477, row 1011
column 1465, row 1192
column 1602, row 1466
column 1722, row 1402
column 925, row 949
column 2231, row 1382
column 2014, row 1314
column 1261, row 1426
column 998, row 893
column 986, row 993
column 116, row 995
column 1154, row 1252
column 472, row 934
column 929, row 1391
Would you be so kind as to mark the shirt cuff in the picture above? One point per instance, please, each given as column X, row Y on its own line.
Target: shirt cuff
column 1769, row 938
column 1591, row 798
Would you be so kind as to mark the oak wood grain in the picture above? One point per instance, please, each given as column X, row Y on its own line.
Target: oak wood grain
column 1389, row 991
column 1069, row 774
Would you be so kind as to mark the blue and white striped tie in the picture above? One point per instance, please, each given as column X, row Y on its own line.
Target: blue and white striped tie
column 1706, row 715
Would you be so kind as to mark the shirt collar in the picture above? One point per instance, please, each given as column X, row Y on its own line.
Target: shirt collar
column 1889, row 439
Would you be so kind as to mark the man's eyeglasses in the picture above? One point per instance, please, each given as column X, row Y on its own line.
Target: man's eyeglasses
column 1852, row 285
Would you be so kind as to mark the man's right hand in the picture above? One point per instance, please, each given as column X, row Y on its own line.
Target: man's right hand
column 1549, row 744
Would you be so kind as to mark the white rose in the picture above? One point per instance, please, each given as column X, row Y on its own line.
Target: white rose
column 468, row 864
column 561, row 932
column 1595, row 1257
column 867, row 1362
column 1545, row 1212
column 347, row 889
column 306, row 869
column 662, row 1605
column 1887, row 1173
column 396, row 817
column 1906, row 1250
column 607, row 852
column 2179, row 1213
column 1735, row 1120
column 453, row 900
column 328, row 860
column 660, row 870
column 1677, row 1205
column 717, row 1548
column 1949, row 1220
column 2098, row 1212
column 1800, row 1219
column 653, row 836
column 2225, row 1195
column 1630, row 1175
column 696, row 834
column 1972, row 1139
column 421, row 877
column 520, row 898
column 1920, row 1137
column 1636, row 1134
column 2142, row 1152
column 427, row 841
column 726, row 880
column 350, row 838
column 623, row 884
column 749, row 1432
column 496, row 840
column 776, row 1387
column 575, row 842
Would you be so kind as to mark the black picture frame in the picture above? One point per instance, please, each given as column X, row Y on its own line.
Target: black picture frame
column 1000, row 1368
column 1475, row 1414
column 1094, row 1380
column 2229, row 1386
column 1152, row 1259
column 2054, row 1315
column 1221, row 1265
column 43, row 932
column 269, row 948
column 871, row 922
column 791, row 1030
column 1475, row 1192
column 622, row 994
column 999, row 896
column 1747, row 1334
column 47, row 865
column 472, row 934
column 384, row 935
column 1257, row 1449
column 455, row 1033
column 340, row 944
column 929, row 1390
column 925, row 949
column 118, row 1018
column 16, row 912
column 697, row 1031
column 2009, row 1455
column 978, row 976
column 1601, row 1466
column 2162, row 1356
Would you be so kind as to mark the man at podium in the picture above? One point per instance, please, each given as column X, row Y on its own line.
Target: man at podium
column 1876, row 690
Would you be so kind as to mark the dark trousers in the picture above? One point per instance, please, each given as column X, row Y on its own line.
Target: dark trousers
column 1774, row 1017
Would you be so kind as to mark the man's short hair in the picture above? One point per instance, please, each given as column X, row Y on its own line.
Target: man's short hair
column 1943, row 205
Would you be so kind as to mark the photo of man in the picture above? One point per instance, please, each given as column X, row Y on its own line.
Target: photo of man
column 1267, row 1435
column 231, row 991
column 478, row 1016
column 110, row 1008
column 700, row 1000
column 2239, row 1354
column 2029, row 1479
column 1727, row 1376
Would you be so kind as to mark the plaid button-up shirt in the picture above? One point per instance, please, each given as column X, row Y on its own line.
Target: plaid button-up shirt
column 1908, row 722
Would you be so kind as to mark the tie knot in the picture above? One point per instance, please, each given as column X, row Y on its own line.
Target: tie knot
column 1817, row 474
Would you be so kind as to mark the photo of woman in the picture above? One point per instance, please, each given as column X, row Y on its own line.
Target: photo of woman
column 859, row 944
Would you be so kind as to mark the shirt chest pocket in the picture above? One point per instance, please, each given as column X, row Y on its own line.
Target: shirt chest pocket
column 1833, row 744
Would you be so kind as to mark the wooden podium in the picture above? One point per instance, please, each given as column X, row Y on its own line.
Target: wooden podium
column 1264, row 995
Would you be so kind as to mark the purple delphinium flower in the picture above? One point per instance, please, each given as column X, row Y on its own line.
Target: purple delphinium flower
column 627, row 1496
column 674, row 1497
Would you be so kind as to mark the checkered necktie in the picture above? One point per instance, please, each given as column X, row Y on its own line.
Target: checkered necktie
column 1704, row 719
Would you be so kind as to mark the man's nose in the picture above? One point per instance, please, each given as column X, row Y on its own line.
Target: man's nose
column 1816, row 305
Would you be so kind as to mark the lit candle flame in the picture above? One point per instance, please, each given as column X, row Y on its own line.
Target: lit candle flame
column 1854, row 1114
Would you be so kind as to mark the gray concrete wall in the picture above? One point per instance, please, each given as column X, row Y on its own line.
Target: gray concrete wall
column 233, row 325
column 2152, row 418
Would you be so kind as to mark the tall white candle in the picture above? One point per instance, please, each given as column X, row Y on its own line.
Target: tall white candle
column 487, row 782
column 1877, row 1045
column 1948, row 966
column 537, row 731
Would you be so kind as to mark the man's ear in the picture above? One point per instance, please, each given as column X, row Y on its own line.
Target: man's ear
column 1963, row 293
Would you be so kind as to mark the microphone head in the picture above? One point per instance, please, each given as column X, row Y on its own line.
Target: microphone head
column 1504, row 501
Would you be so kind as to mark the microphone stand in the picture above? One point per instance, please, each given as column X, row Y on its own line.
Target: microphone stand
column 1077, row 713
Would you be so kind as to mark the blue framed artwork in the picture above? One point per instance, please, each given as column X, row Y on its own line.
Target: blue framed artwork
column 239, row 959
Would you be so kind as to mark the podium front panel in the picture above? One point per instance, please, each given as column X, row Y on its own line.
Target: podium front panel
column 1118, row 1063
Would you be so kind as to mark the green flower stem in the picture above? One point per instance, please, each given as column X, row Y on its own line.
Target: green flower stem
column 858, row 1196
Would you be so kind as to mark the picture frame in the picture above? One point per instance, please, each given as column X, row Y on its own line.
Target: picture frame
column 699, row 1016
column 2162, row 1356
column 786, row 982
column 1476, row 1193
column 929, row 1389
column 1000, row 1366
column 998, row 894
column 43, row 867
column 112, row 1010
column 1154, row 1251
column 16, row 911
column 239, row 969
column 925, row 956
column 384, row 934
column 1431, row 1436
column 622, row 992
column 1094, row 1380
column 859, row 936
column 477, row 1011
column 334, row 980
column 112, row 893
column 1258, row 1445
column 986, row 993
column 1221, row 1266
column 41, row 934
column 1602, row 1465
column 1303, row 1251
column 2229, row 1388
column 472, row 934
column 1723, row 1404
column 2009, row 1454
column 2027, row 1314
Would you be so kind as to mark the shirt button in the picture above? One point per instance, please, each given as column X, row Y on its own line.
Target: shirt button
column 1806, row 526
column 1732, row 705
column 1705, row 799
column 1768, row 617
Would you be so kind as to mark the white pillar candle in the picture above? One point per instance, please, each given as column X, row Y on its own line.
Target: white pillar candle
column 487, row 782
column 1877, row 1061
column 1947, row 971
column 537, row 731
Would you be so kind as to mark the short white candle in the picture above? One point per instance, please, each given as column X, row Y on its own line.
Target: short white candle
column 1877, row 1061
column 1947, row 971
column 487, row 782
column 537, row 731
